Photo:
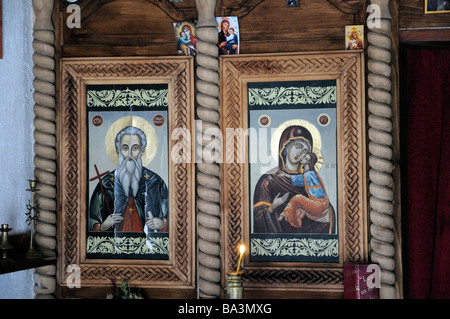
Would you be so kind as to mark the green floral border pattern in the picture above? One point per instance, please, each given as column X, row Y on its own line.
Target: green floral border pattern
column 292, row 95
column 118, row 98
column 126, row 245
column 294, row 247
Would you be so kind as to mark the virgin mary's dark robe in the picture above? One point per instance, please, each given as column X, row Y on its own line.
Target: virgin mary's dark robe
column 280, row 182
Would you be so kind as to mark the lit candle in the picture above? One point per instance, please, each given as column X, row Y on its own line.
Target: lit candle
column 241, row 250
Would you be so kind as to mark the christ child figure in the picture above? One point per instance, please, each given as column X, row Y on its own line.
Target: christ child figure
column 316, row 204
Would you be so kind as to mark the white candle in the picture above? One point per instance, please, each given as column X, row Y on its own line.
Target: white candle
column 241, row 250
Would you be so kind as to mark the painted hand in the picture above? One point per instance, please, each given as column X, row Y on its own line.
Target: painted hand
column 279, row 200
column 154, row 223
column 110, row 221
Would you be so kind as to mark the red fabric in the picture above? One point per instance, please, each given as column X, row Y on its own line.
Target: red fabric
column 131, row 220
column 428, row 173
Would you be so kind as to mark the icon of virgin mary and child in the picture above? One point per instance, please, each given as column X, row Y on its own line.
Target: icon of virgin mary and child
column 293, row 199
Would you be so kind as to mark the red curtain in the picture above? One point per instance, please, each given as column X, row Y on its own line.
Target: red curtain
column 428, row 174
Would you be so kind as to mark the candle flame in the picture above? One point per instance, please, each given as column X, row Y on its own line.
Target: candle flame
column 242, row 249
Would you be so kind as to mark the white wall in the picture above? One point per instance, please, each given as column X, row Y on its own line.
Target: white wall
column 16, row 132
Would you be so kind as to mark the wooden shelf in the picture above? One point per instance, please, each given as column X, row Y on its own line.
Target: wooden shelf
column 18, row 263
column 424, row 35
column 16, row 257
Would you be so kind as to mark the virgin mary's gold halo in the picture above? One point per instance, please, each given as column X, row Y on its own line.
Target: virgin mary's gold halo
column 180, row 27
column 140, row 123
column 317, row 140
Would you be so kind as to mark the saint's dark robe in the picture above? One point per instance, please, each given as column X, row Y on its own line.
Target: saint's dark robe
column 152, row 196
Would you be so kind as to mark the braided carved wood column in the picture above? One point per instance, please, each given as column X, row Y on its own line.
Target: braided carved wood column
column 208, row 169
column 45, row 143
column 381, row 191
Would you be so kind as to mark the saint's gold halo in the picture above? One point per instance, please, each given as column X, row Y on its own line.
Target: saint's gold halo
column 143, row 125
column 317, row 140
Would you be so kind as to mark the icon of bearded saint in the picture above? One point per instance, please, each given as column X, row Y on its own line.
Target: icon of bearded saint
column 292, row 199
column 132, row 198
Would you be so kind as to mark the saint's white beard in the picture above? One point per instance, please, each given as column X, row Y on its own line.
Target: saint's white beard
column 129, row 173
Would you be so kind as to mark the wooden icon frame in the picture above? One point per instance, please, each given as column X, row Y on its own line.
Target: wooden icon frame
column 174, row 276
column 278, row 277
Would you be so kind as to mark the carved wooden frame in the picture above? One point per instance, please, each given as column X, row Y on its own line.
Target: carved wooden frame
column 177, row 273
column 295, row 279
